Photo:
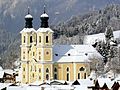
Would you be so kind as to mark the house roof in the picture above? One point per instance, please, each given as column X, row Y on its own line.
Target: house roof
column 73, row 53
column 3, row 85
column 1, row 74
column 91, row 39
column 9, row 71
column 28, row 30
column 108, row 82
column 44, row 30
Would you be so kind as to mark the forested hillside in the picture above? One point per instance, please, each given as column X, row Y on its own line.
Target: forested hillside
column 71, row 31
column 90, row 23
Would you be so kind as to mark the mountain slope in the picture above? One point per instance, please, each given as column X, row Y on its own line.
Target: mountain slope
column 70, row 31
column 59, row 10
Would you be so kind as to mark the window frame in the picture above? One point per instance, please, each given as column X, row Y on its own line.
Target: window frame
column 31, row 39
column 47, row 39
column 24, row 39
column 39, row 39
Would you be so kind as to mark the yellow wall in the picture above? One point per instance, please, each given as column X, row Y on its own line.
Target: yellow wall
column 73, row 70
column 50, row 67
column 39, row 54
column 27, row 38
column 47, row 54
column 43, row 39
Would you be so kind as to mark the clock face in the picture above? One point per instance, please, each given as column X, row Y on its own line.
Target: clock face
column 47, row 52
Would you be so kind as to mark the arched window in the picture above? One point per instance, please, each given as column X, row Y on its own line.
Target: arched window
column 82, row 69
column 33, row 53
column 35, row 69
column 39, row 77
column 67, row 69
column 39, row 39
column 47, row 39
column 47, row 77
column 31, row 68
column 55, row 76
column 55, row 70
column 24, row 39
column 47, row 70
column 23, row 76
column 23, row 52
column 23, row 56
column 39, row 70
column 33, row 75
column 84, row 75
column 39, row 57
column 30, row 39
column 67, row 76
column 78, row 75
column 39, row 53
column 24, row 69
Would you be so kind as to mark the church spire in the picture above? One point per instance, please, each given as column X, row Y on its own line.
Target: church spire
column 28, row 19
column 44, row 19
column 44, row 9
column 28, row 10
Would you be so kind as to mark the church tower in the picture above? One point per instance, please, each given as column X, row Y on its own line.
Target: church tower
column 28, row 49
column 44, row 48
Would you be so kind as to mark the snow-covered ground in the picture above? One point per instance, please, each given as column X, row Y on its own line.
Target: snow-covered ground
column 84, row 84
column 58, row 84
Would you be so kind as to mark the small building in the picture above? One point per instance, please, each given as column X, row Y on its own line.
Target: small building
column 7, row 76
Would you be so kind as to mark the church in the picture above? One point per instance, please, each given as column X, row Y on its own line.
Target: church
column 41, row 60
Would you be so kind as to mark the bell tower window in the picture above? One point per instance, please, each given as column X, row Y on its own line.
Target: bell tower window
column 30, row 39
column 24, row 39
column 47, row 70
column 39, row 39
column 47, row 39
column 78, row 75
column 55, row 76
column 47, row 77
column 67, row 76
column 84, row 75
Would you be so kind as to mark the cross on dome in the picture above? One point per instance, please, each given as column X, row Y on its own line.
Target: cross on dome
column 28, row 19
column 44, row 19
column 44, row 13
column 28, row 15
column 44, row 9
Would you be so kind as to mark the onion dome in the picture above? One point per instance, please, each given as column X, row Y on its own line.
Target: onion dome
column 28, row 19
column 44, row 19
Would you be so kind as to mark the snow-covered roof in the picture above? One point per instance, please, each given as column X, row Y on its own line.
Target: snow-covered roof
column 84, row 84
column 44, row 15
column 108, row 82
column 1, row 74
column 44, row 30
column 3, row 85
column 36, row 83
column 9, row 71
column 91, row 39
column 1, row 68
column 92, row 75
column 28, row 16
column 73, row 53
column 28, row 30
